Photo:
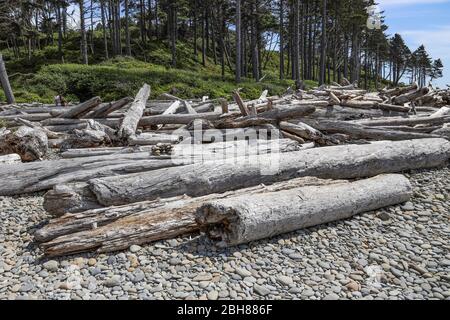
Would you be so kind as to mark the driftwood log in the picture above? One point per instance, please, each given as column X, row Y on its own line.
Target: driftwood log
column 81, row 110
column 338, row 162
column 245, row 218
column 116, row 228
column 130, row 121
column 10, row 159
column 30, row 143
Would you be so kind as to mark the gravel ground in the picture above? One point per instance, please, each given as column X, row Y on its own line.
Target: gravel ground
column 400, row 252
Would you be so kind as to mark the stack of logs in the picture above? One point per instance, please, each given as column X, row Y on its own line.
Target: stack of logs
column 138, row 170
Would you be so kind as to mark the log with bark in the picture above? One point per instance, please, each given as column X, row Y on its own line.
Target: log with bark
column 104, row 110
column 134, row 114
column 81, row 110
column 246, row 218
column 338, row 162
column 357, row 131
column 116, row 228
column 30, row 143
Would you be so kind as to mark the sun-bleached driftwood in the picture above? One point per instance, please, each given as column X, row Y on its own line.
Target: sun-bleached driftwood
column 273, row 116
column 338, row 162
column 444, row 111
column 304, row 131
column 391, row 107
column 76, row 196
column 104, row 110
column 29, row 117
column 405, row 121
column 241, row 104
column 144, row 139
column 443, row 132
column 400, row 90
column 37, row 176
column 102, row 151
column 50, row 134
column 117, row 228
column 81, row 109
column 134, row 114
column 410, row 96
column 363, row 132
column 10, row 159
column 30, row 143
column 242, row 219
column 177, row 118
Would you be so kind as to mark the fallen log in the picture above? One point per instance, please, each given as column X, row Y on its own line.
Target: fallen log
column 30, row 143
column 10, row 159
column 177, row 118
column 304, row 131
column 108, row 108
column 338, row 162
column 410, row 96
column 134, row 114
column 36, row 176
column 363, row 132
column 81, row 110
column 145, row 139
column 116, row 228
column 242, row 219
column 405, row 121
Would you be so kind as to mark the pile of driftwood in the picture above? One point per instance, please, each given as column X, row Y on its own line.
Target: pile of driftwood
column 140, row 170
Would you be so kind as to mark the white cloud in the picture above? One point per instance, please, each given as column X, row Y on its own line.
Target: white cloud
column 392, row 3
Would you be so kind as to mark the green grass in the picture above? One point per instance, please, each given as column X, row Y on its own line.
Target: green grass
column 43, row 77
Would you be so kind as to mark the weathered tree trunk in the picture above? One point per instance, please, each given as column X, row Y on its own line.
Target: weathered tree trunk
column 108, row 108
column 134, row 113
column 10, row 159
column 145, row 139
column 407, row 97
column 405, row 121
column 31, row 144
column 363, row 132
column 339, row 162
column 81, row 110
column 4, row 80
column 245, row 218
column 116, row 228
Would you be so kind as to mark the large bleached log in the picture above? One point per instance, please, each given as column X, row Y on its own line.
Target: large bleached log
column 177, row 118
column 30, row 143
column 411, row 96
column 37, row 125
column 82, row 109
column 10, row 158
column 29, row 117
column 246, row 218
column 405, row 121
column 37, row 176
column 363, row 132
column 444, row 111
column 304, row 131
column 153, row 138
column 104, row 110
column 134, row 114
column 117, row 228
column 103, row 151
column 268, row 117
column 338, row 162
column 400, row 91
column 391, row 107
column 76, row 196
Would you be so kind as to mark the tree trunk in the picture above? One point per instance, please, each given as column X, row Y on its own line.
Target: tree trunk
column 245, row 218
column 238, row 41
column 130, row 121
column 4, row 80
column 340, row 162
column 84, row 54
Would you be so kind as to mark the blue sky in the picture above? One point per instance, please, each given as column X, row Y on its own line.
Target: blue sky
column 422, row 22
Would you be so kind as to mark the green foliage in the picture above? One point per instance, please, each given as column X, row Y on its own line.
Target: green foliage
column 119, row 77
